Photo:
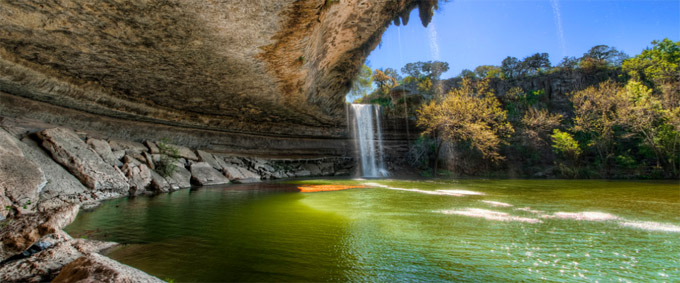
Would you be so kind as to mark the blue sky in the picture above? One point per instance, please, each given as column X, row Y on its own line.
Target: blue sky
column 469, row 33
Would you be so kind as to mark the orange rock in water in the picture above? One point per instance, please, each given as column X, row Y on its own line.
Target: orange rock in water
column 326, row 188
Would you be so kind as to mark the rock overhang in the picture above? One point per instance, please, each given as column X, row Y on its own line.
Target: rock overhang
column 273, row 67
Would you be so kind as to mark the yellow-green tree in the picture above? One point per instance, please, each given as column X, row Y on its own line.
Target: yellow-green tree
column 470, row 113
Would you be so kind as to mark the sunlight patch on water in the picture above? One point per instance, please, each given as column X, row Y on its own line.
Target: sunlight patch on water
column 457, row 193
column 585, row 215
column 497, row 203
column 651, row 226
column 490, row 215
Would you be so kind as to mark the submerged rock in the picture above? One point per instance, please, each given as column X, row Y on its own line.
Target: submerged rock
column 97, row 268
column 204, row 174
column 69, row 150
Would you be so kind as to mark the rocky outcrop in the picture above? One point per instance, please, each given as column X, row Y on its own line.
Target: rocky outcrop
column 104, row 150
column 97, row 268
column 69, row 150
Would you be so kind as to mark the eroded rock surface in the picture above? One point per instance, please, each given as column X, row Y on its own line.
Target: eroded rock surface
column 46, row 264
column 69, row 150
column 22, row 231
column 97, row 268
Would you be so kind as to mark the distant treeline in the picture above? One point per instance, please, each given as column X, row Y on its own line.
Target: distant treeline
column 603, row 115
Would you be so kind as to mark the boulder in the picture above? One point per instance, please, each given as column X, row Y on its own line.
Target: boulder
column 102, row 148
column 22, row 231
column 180, row 178
column 160, row 184
column 210, row 159
column 21, row 179
column 118, row 154
column 131, row 146
column 153, row 148
column 138, row 175
column 98, row 268
column 313, row 169
column 238, row 174
column 46, row 264
column 302, row 173
column 204, row 174
column 69, row 150
column 148, row 160
column 327, row 168
column 62, row 188
column 185, row 152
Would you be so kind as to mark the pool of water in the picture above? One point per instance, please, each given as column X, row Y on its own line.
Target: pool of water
column 395, row 230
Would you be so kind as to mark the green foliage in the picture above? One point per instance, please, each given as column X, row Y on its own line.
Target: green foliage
column 656, row 66
column 166, row 166
column 564, row 144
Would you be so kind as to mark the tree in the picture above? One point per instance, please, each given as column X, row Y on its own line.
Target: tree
column 568, row 63
column 383, row 81
column 432, row 69
column 535, row 63
column 642, row 113
column 488, row 71
column 601, row 56
column 511, row 67
column 595, row 117
column 361, row 83
column 471, row 114
column 465, row 73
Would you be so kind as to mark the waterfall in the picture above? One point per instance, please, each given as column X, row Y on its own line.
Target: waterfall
column 368, row 138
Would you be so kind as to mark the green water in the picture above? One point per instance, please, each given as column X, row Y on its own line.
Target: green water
column 418, row 231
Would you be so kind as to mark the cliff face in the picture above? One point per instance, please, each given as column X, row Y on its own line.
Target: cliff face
column 265, row 67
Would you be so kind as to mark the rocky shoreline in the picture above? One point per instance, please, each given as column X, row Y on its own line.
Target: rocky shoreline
column 47, row 175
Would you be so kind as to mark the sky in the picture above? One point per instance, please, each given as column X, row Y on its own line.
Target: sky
column 469, row 33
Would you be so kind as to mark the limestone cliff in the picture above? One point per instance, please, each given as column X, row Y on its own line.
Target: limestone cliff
column 263, row 67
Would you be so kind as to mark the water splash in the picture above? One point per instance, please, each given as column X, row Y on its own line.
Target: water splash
column 434, row 45
column 368, row 137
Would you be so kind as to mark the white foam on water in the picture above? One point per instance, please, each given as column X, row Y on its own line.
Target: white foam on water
column 497, row 203
column 585, row 215
column 457, row 193
column 490, row 215
column 651, row 226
